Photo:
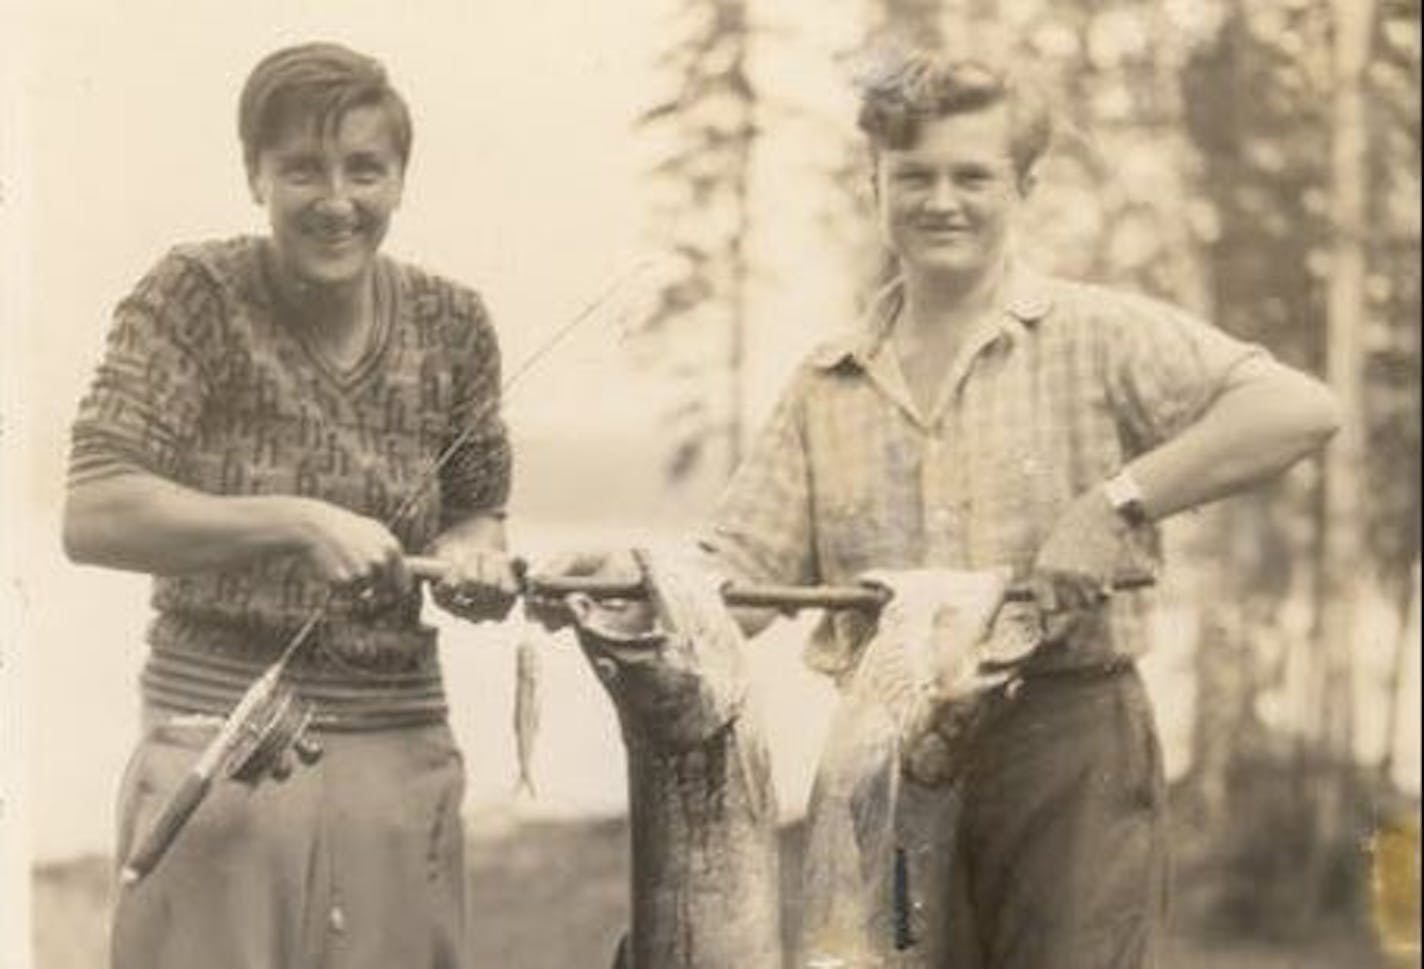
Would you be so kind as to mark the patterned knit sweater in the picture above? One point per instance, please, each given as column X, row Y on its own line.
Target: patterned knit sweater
column 207, row 381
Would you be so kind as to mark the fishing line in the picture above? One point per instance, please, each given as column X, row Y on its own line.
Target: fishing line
column 545, row 347
column 252, row 716
column 542, row 350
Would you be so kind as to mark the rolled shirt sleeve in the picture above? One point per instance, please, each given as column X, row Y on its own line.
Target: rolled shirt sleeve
column 476, row 476
column 144, row 404
column 762, row 528
column 1165, row 367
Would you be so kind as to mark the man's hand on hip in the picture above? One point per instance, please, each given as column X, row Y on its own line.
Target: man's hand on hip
column 1072, row 575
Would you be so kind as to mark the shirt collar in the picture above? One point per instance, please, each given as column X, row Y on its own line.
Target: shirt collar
column 1025, row 300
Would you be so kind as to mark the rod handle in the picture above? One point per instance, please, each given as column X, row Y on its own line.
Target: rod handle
column 176, row 811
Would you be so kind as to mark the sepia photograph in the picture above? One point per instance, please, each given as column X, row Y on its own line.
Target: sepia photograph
column 710, row 484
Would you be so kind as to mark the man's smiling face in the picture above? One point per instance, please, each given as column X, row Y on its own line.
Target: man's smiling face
column 946, row 202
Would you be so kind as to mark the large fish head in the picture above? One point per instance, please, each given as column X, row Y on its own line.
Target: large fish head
column 672, row 664
column 933, row 630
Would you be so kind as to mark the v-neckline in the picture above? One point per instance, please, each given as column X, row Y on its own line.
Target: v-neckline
column 983, row 331
column 386, row 304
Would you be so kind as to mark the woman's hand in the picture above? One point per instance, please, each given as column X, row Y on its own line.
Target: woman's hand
column 553, row 613
column 480, row 583
column 350, row 551
column 145, row 523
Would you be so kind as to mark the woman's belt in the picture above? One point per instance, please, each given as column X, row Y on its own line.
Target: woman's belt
column 193, row 682
column 1058, row 659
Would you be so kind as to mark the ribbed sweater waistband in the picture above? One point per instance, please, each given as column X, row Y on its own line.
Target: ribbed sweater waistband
column 190, row 681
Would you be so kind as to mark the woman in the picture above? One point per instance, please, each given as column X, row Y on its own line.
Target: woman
column 262, row 436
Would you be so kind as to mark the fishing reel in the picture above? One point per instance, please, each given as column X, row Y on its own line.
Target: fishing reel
column 274, row 725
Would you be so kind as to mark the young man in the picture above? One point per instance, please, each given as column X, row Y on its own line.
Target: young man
column 989, row 416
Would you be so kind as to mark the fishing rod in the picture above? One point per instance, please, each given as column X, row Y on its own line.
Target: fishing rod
column 270, row 718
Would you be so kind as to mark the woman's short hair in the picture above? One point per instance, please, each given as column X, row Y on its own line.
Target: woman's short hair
column 317, row 81
column 901, row 90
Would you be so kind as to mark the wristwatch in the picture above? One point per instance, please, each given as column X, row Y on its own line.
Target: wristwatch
column 1125, row 496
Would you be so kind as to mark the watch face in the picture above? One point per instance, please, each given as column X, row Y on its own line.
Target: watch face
column 1132, row 512
column 1126, row 498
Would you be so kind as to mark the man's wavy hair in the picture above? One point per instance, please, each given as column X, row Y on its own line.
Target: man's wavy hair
column 900, row 90
column 321, row 82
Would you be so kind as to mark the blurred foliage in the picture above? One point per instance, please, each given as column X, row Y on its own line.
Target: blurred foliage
column 1392, row 376
column 1265, row 168
column 1245, row 878
column 917, row 21
column 1266, row 158
column 705, row 130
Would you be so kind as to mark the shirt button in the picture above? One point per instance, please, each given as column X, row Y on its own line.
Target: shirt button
column 338, row 919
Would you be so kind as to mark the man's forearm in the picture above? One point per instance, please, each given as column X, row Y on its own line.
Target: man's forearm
column 1262, row 424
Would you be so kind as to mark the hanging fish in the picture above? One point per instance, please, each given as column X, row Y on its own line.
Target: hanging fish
column 702, row 803
column 526, row 707
column 883, row 804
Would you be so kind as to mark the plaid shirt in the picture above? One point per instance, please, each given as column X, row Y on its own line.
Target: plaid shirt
column 1047, row 398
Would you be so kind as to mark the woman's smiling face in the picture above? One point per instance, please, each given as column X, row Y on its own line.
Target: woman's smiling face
column 330, row 194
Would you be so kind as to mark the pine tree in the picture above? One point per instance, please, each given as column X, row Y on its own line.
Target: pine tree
column 706, row 132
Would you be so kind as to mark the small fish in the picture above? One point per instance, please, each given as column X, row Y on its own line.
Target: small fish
column 702, row 803
column 526, row 708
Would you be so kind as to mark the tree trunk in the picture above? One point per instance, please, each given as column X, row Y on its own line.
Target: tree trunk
column 912, row 21
column 1405, row 642
column 706, row 172
column 1342, row 546
column 738, row 267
